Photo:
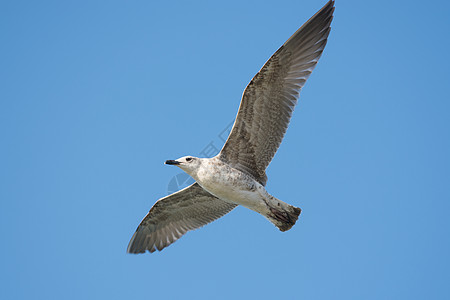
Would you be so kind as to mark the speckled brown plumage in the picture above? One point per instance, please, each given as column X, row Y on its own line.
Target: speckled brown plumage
column 174, row 215
column 270, row 97
column 237, row 175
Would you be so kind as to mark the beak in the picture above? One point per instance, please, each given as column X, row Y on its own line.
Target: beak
column 172, row 162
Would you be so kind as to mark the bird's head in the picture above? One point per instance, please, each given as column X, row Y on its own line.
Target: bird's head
column 189, row 164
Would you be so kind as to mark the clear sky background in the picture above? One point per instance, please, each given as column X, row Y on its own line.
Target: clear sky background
column 96, row 95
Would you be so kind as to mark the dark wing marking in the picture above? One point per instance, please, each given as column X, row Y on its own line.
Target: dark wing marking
column 174, row 215
column 270, row 97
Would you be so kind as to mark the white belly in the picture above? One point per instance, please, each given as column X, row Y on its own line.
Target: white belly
column 234, row 187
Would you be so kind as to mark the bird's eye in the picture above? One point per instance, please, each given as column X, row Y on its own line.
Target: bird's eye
column 189, row 159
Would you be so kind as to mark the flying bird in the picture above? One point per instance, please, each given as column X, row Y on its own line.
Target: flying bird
column 237, row 175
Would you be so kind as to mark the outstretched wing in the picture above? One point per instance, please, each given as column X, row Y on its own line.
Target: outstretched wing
column 174, row 215
column 270, row 97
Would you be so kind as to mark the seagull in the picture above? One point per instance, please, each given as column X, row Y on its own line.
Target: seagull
column 237, row 175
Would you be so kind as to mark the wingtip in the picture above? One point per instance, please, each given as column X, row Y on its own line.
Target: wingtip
column 325, row 13
column 329, row 6
column 130, row 248
column 135, row 247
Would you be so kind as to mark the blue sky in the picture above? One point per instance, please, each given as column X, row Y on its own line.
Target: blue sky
column 95, row 96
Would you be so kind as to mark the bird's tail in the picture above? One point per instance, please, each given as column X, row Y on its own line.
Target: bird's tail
column 282, row 214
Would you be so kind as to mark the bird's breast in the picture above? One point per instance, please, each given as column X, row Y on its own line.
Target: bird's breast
column 228, row 184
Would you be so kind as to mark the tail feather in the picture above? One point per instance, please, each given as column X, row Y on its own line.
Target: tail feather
column 283, row 216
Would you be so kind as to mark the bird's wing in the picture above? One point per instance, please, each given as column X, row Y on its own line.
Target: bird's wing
column 174, row 215
column 270, row 97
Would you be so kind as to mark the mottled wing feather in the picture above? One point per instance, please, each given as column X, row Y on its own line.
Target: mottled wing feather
column 174, row 215
column 270, row 97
